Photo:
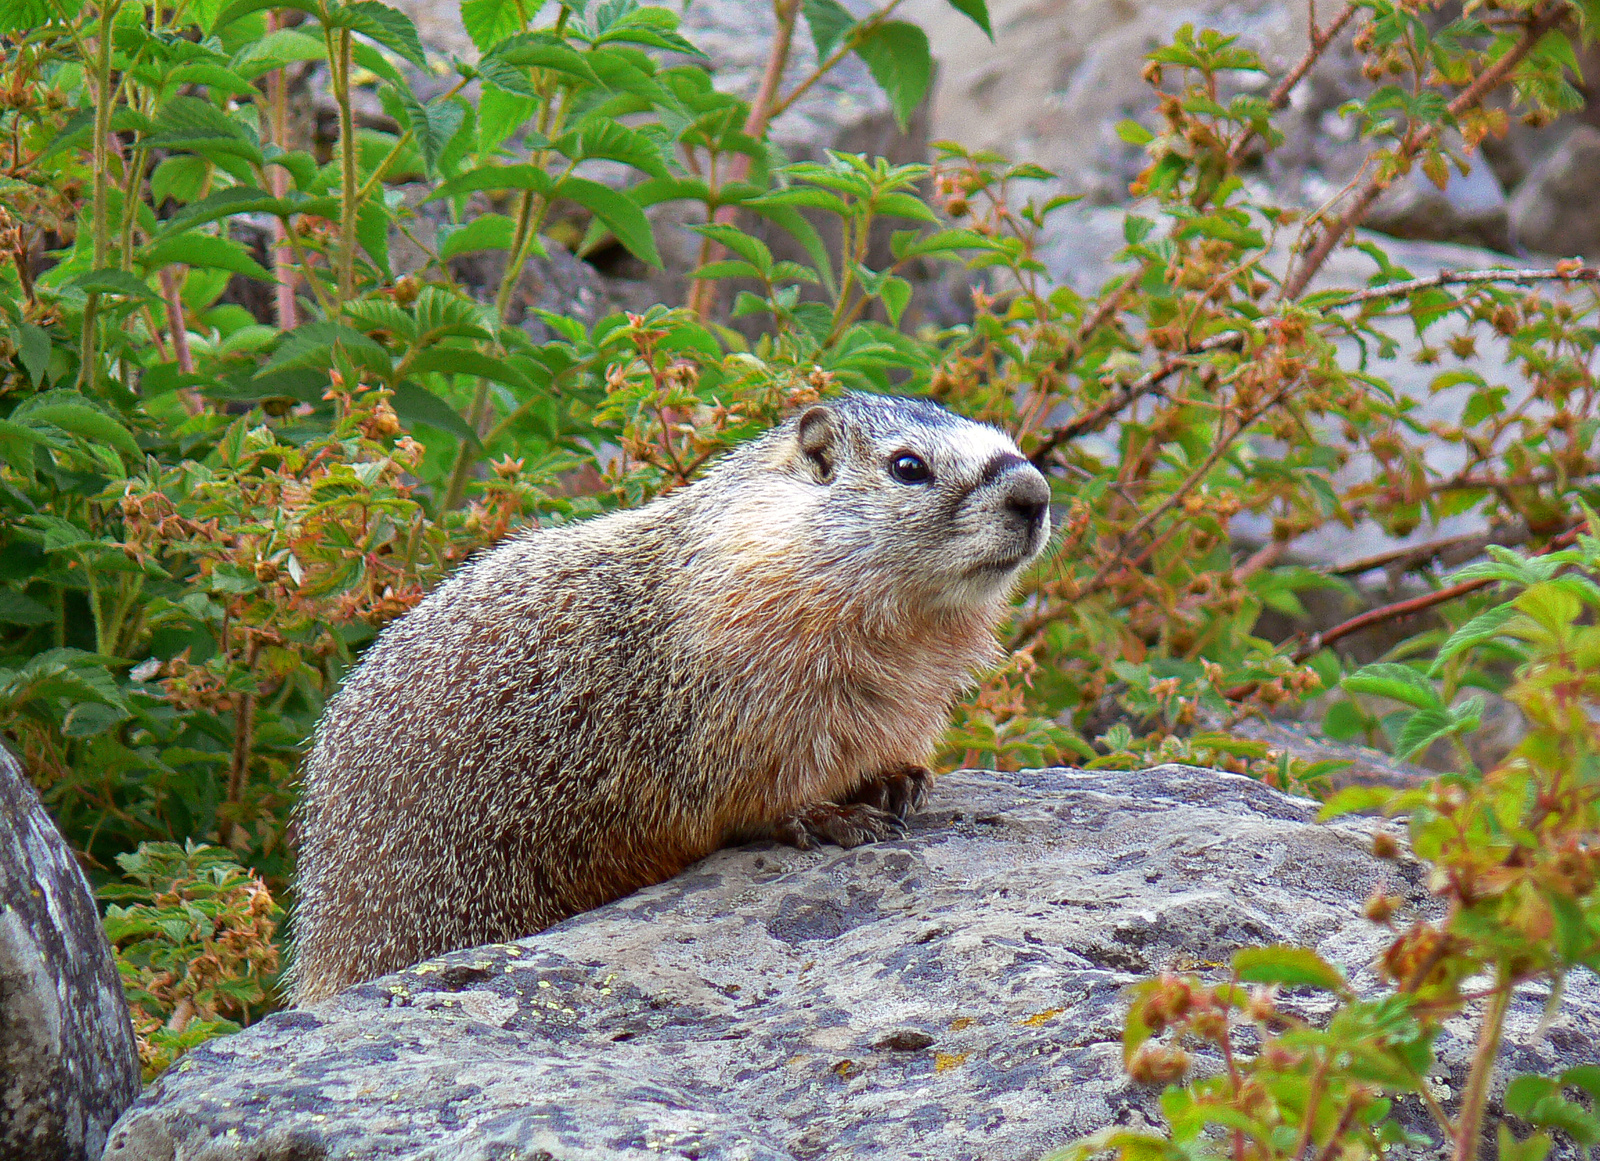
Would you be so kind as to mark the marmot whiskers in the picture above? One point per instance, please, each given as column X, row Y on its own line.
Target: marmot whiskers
column 588, row 709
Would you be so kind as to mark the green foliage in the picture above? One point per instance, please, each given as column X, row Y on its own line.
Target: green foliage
column 193, row 934
column 210, row 501
column 1512, row 855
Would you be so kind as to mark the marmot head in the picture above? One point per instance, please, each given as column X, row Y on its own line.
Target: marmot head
column 916, row 501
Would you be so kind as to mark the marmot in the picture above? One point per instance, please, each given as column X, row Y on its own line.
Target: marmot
column 585, row 710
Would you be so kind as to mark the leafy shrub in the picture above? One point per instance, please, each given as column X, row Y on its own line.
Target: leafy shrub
column 193, row 935
column 1513, row 857
column 236, row 437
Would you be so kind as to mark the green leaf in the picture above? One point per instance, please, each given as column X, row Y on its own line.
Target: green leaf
column 486, row 177
column 500, row 114
column 625, row 219
column 27, row 15
column 486, row 232
column 1395, row 681
column 829, row 22
column 488, row 22
column 460, row 361
column 82, row 420
column 114, row 282
column 181, row 178
column 195, row 126
column 1421, row 729
column 897, row 55
column 1134, row 133
column 208, row 250
column 388, row 26
column 1289, row 966
column 615, row 142
column 17, row 609
column 896, row 295
column 976, row 11
column 414, row 404
column 33, row 351
column 1484, row 627
column 1343, row 721
column 285, row 46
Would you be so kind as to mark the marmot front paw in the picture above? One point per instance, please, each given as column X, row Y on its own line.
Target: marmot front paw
column 847, row 826
column 900, row 792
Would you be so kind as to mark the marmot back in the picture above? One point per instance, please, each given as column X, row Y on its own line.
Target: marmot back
column 586, row 710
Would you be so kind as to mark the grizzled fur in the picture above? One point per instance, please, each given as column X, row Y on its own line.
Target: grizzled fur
column 586, row 710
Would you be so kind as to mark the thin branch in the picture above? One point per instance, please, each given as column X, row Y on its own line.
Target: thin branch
column 763, row 107
column 1279, row 97
column 1534, row 30
column 1414, row 605
column 1130, row 393
column 1465, row 277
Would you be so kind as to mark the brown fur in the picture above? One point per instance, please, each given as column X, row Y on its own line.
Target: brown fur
column 587, row 710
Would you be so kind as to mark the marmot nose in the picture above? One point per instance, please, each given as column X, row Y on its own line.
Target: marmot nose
column 1027, row 494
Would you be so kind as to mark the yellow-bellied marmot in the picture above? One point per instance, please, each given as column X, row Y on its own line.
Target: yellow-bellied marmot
column 588, row 709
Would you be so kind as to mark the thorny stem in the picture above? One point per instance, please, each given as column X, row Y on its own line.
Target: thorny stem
column 178, row 327
column 339, row 51
column 704, row 295
column 1470, row 1123
column 1467, row 277
column 283, row 267
column 1091, row 421
column 1320, row 641
column 1279, row 97
column 102, row 165
column 1534, row 30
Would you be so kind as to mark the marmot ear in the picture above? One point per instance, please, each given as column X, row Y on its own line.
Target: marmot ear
column 818, row 432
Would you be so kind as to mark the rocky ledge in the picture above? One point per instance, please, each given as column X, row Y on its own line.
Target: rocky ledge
column 959, row 994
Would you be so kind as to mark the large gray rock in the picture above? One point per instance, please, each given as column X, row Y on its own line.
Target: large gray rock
column 68, row 1065
column 959, row 994
column 1555, row 210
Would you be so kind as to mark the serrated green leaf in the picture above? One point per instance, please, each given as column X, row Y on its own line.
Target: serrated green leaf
column 1395, row 681
column 485, row 232
column 459, row 361
column 110, row 281
column 488, row 22
column 1421, row 729
column 1484, row 627
column 415, row 404
column 896, row 53
column 625, row 219
column 388, row 26
column 614, row 142
column 205, row 250
column 1289, row 966
column 829, row 22
column 487, row 177
column 82, row 420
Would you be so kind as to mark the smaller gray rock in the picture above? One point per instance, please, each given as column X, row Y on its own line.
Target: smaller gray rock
column 1555, row 210
column 68, row 1065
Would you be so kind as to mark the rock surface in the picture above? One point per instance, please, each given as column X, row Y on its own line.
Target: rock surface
column 958, row 994
column 68, row 1065
column 1555, row 210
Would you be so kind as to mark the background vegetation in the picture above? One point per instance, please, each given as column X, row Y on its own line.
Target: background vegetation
column 236, row 440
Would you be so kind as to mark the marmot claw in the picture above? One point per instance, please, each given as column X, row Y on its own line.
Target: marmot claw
column 845, row 825
column 899, row 792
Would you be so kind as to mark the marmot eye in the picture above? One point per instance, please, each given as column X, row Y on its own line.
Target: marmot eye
column 909, row 469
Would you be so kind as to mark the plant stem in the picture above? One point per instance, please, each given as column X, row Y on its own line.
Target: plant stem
column 347, row 163
column 102, row 165
column 1469, row 1125
column 1540, row 22
column 283, row 267
column 703, row 297
column 243, row 733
